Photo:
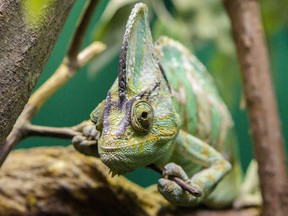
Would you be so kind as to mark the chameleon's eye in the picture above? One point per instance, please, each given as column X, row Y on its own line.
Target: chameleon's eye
column 142, row 117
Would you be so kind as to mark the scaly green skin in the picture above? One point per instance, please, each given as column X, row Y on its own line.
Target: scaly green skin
column 164, row 108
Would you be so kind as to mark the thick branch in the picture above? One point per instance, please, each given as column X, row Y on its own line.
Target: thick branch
column 67, row 69
column 60, row 181
column 25, row 48
column 259, row 93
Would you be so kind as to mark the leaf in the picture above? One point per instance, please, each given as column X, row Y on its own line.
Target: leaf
column 274, row 15
column 194, row 23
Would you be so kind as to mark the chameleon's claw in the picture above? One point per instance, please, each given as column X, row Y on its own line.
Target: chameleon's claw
column 175, row 194
column 85, row 146
column 90, row 131
column 167, row 186
column 172, row 169
column 82, row 141
column 78, row 140
column 87, row 143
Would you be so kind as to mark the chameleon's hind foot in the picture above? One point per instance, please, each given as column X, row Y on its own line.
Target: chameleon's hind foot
column 87, row 143
column 249, row 200
column 250, row 194
column 172, row 191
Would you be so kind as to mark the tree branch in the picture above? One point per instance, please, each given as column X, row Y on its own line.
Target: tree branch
column 22, row 127
column 67, row 69
column 80, row 32
column 62, row 75
column 61, row 181
column 262, row 109
column 64, row 132
column 25, row 49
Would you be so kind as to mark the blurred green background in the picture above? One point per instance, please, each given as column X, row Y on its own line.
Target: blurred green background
column 202, row 26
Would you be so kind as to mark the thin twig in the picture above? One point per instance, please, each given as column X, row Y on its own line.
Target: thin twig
column 80, row 32
column 64, row 132
column 58, row 132
column 62, row 75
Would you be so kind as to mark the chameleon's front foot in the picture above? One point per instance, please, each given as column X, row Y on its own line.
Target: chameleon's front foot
column 172, row 191
column 87, row 143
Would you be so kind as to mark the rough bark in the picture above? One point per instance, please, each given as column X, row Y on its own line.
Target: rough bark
column 60, row 181
column 262, row 109
column 24, row 51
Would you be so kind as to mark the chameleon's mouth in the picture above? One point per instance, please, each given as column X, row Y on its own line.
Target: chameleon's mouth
column 125, row 158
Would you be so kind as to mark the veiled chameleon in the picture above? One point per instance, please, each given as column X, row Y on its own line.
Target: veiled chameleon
column 164, row 109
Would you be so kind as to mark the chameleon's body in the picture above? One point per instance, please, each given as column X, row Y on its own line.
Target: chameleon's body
column 203, row 114
column 164, row 107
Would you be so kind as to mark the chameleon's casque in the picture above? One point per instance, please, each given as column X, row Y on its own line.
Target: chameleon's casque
column 164, row 107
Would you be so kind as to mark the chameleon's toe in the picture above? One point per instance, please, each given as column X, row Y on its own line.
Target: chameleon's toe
column 170, row 190
column 91, row 132
column 175, row 194
column 78, row 140
column 172, row 169
column 85, row 146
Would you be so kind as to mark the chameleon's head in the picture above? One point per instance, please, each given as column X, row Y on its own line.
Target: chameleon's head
column 139, row 119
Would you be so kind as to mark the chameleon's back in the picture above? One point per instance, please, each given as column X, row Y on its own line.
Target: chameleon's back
column 196, row 99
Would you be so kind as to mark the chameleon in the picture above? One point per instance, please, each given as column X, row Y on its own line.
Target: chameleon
column 164, row 109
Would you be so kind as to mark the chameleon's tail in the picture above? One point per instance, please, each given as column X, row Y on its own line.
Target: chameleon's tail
column 250, row 191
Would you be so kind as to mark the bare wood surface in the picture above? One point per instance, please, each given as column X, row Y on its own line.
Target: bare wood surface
column 61, row 181
column 25, row 48
column 264, row 119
